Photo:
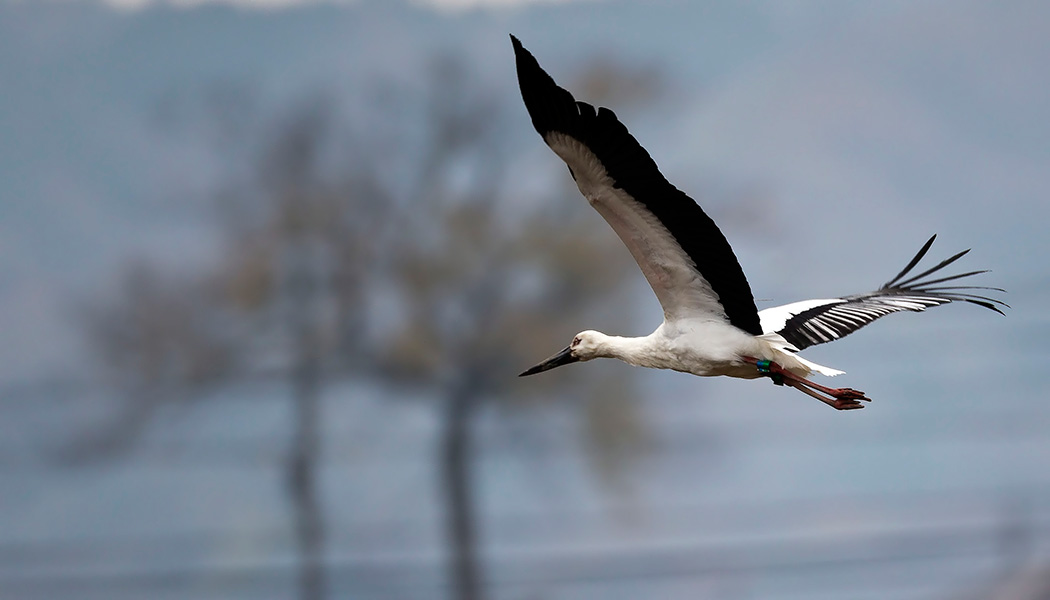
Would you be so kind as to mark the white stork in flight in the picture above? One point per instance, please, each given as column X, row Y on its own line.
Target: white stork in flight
column 711, row 324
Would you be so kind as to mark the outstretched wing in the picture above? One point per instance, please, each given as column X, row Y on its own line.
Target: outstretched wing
column 811, row 322
column 680, row 250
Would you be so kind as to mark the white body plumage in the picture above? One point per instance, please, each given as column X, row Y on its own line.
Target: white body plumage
column 703, row 347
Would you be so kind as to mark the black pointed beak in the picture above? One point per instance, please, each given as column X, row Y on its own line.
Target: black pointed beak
column 562, row 358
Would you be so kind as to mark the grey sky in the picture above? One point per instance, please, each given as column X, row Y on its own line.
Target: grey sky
column 828, row 139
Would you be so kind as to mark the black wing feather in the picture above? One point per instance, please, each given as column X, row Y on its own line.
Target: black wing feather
column 553, row 109
column 837, row 319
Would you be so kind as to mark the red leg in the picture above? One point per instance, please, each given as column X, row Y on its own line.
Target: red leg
column 840, row 398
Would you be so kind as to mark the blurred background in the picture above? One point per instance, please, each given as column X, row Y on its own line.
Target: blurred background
column 269, row 270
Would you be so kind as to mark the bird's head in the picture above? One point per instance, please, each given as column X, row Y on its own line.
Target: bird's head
column 585, row 346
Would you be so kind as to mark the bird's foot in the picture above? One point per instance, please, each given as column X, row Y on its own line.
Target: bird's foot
column 844, row 401
column 848, row 394
column 840, row 404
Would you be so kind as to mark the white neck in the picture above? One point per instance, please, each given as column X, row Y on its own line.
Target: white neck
column 637, row 351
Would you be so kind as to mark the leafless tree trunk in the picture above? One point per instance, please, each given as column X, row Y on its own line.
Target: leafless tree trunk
column 304, row 452
column 459, row 500
column 302, row 480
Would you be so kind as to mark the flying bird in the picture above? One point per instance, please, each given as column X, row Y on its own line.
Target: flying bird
column 711, row 325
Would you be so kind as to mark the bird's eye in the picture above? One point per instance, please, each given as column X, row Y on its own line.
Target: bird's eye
column 575, row 342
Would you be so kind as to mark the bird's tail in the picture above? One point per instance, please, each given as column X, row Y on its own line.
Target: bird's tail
column 812, row 366
column 791, row 361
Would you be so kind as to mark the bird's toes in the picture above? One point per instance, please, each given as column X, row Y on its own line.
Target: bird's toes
column 850, row 394
column 840, row 404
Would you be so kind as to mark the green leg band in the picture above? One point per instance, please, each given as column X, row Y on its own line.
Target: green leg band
column 764, row 367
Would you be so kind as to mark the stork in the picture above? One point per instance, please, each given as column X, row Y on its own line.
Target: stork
column 711, row 324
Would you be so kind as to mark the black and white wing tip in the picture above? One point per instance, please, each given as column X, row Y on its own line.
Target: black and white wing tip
column 805, row 324
column 945, row 293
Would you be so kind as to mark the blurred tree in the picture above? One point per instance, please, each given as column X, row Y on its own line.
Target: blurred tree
column 283, row 301
column 494, row 282
column 414, row 265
